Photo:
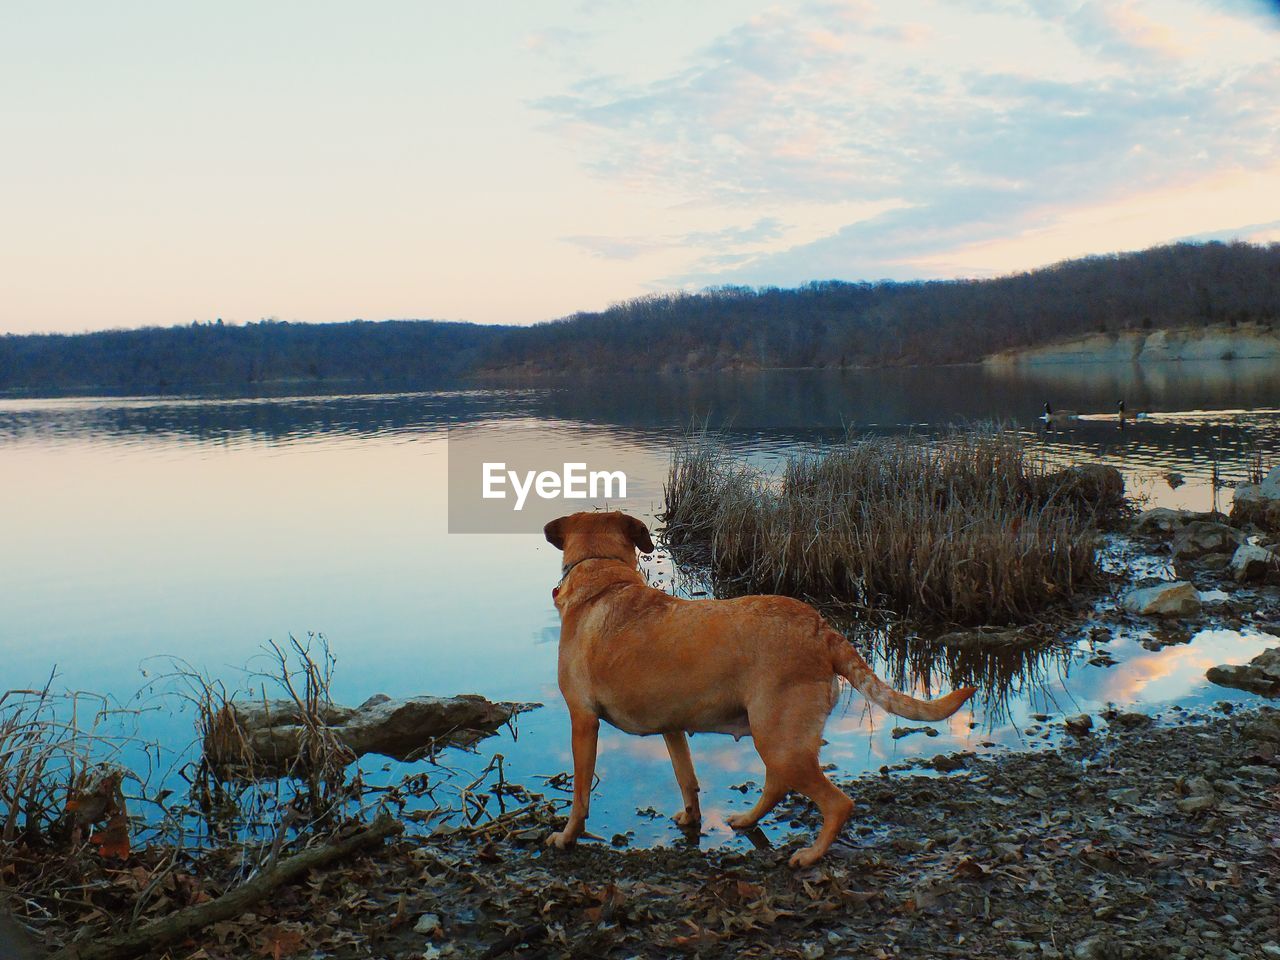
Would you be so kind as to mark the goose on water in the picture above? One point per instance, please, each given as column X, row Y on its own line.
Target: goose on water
column 1050, row 418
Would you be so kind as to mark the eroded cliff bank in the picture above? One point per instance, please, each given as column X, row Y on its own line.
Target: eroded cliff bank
column 1242, row 342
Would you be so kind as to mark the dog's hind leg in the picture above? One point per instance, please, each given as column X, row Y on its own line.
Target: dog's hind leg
column 682, row 763
column 586, row 733
column 835, row 806
column 787, row 734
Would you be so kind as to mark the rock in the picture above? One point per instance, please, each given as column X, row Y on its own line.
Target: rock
column 1128, row 795
column 1259, row 773
column 988, row 638
column 1080, row 724
column 1096, row 947
column 1250, row 564
column 1197, row 804
column 1162, row 522
column 1130, row 720
column 428, row 924
column 900, row 732
column 1260, row 675
column 1202, row 537
column 813, row 951
column 1258, row 503
column 1177, row 599
column 948, row 763
column 1200, row 796
column 268, row 737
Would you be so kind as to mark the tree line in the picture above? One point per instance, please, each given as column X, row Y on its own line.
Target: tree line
column 821, row 324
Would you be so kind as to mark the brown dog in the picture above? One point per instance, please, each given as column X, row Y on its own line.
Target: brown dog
column 647, row 662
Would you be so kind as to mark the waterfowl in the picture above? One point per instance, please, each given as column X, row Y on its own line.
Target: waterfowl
column 1051, row 418
column 1131, row 416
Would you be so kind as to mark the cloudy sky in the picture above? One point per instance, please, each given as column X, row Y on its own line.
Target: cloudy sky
column 513, row 162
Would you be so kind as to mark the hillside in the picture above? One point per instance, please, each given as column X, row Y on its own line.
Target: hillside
column 821, row 324
column 370, row 355
column 895, row 324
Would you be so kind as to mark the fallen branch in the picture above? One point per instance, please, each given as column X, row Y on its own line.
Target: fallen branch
column 184, row 922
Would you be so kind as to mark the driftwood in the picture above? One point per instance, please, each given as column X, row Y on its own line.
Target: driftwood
column 269, row 736
column 185, row 922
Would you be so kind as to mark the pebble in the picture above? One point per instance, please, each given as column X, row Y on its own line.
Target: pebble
column 1094, row 948
column 428, row 923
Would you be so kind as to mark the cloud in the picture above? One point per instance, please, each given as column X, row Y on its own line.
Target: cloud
column 629, row 248
column 973, row 121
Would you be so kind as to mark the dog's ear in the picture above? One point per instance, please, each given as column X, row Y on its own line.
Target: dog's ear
column 638, row 533
column 554, row 532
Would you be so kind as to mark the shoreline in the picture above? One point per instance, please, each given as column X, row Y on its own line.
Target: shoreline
column 1138, row 840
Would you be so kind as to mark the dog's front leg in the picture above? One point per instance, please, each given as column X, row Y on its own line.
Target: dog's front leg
column 586, row 732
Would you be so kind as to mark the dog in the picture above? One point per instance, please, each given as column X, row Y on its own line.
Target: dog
column 646, row 662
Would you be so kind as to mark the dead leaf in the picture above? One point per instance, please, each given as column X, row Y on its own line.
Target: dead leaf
column 971, row 869
column 113, row 839
column 281, row 941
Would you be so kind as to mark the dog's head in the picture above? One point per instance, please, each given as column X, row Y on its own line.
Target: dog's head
column 614, row 535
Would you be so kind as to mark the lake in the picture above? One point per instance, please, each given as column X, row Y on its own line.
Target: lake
column 200, row 527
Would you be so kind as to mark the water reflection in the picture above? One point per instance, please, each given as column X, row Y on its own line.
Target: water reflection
column 198, row 527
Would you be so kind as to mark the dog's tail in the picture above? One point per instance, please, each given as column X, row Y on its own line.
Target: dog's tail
column 847, row 662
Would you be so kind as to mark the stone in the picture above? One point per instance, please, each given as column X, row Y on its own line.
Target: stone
column 1163, row 522
column 988, row 638
column 1203, row 537
column 1176, row 599
column 1094, row 948
column 1080, row 724
column 427, row 924
column 1258, row 503
column 1130, row 720
column 900, row 732
column 1200, row 796
column 1250, row 563
column 1260, row 675
column 268, row 737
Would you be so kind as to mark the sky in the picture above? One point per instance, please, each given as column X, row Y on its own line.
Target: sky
column 511, row 162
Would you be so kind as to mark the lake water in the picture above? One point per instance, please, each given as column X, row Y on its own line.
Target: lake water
column 199, row 528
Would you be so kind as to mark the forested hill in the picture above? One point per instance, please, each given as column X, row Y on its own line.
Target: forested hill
column 386, row 354
column 832, row 323
column 828, row 323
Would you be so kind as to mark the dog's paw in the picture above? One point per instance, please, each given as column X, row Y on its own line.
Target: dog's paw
column 805, row 858
column 561, row 840
column 688, row 818
column 740, row 821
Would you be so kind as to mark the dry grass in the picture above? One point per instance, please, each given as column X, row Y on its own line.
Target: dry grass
column 971, row 528
column 51, row 749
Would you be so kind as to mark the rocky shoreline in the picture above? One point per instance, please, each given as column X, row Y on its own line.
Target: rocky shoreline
column 1144, row 840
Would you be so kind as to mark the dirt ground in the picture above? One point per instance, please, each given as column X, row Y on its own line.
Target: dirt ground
column 1137, row 840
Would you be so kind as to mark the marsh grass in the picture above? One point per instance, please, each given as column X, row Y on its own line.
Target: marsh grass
column 973, row 527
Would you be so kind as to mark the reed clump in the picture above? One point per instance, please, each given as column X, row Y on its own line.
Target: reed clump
column 973, row 527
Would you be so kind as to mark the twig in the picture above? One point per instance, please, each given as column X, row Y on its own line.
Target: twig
column 185, row 922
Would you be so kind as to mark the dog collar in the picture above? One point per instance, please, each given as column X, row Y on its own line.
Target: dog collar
column 564, row 575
